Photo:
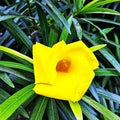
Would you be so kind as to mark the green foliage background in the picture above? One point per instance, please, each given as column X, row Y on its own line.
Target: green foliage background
column 23, row 22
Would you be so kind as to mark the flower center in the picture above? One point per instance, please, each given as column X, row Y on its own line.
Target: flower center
column 63, row 65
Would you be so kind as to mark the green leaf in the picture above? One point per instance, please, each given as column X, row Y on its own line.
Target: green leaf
column 6, row 17
column 75, row 106
column 99, row 10
column 93, row 91
column 59, row 14
column 8, row 107
column 4, row 95
column 97, row 3
column 17, row 33
column 6, row 79
column 65, row 33
column 79, row 4
column 103, row 110
column 88, row 112
column 15, row 53
column 106, row 72
column 103, row 20
column 97, row 28
column 104, row 52
column 43, row 24
column 38, row 112
column 89, row 5
column 111, row 59
column 65, row 109
column 22, row 112
column 78, row 28
column 14, row 72
column 107, row 30
column 53, row 37
column 103, row 2
column 109, row 95
column 16, row 65
column 97, row 47
column 52, row 14
column 52, row 110
column 117, row 49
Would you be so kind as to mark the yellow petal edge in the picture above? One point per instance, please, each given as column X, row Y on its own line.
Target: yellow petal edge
column 64, row 71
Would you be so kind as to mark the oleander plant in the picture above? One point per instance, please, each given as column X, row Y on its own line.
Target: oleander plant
column 59, row 60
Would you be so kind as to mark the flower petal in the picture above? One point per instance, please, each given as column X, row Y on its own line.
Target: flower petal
column 43, row 71
column 76, row 48
column 69, row 86
column 64, row 71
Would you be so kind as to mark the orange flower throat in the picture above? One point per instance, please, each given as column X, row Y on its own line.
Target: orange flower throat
column 63, row 65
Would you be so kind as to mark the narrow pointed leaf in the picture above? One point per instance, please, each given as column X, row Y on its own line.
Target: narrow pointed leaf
column 97, row 47
column 52, row 110
column 15, row 53
column 111, row 59
column 13, row 102
column 4, row 95
column 117, row 41
column 103, row 20
column 66, row 110
column 64, row 35
column 101, row 31
column 87, row 6
column 86, row 111
column 17, row 33
column 75, row 106
column 103, row 110
column 23, row 112
column 100, row 11
column 6, row 17
column 53, row 37
column 106, row 72
column 59, row 14
column 39, row 109
column 16, row 65
column 52, row 14
column 99, row 3
column 79, row 4
column 6, row 79
column 43, row 24
column 14, row 72
column 109, row 95
column 78, row 28
column 93, row 91
column 104, row 52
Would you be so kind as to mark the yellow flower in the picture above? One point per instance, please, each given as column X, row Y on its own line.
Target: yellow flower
column 64, row 71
